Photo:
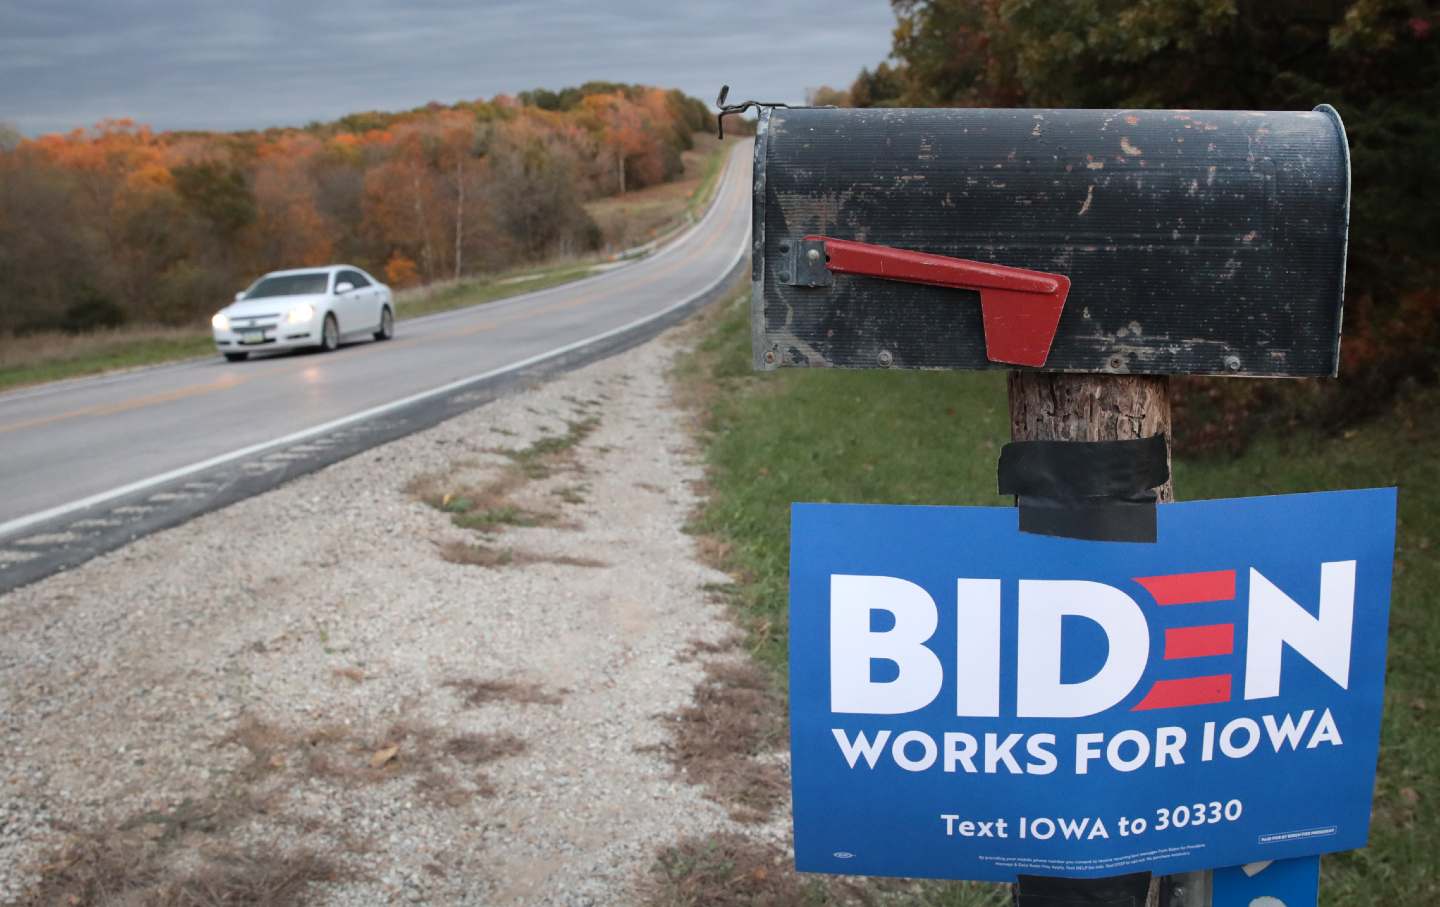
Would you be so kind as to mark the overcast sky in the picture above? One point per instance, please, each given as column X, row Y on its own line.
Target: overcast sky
column 209, row 64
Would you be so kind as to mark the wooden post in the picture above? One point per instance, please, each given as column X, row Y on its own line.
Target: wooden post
column 1064, row 407
column 1048, row 406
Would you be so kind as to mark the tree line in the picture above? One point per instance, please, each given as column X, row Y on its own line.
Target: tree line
column 1376, row 61
column 119, row 223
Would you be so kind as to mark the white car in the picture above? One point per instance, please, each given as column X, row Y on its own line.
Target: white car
column 306, row 307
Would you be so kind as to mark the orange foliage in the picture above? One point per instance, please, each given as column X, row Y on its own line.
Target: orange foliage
column 629, row 131
column 291, row 231
column 401, row 271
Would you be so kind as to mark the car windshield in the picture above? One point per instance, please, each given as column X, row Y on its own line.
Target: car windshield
column 289, row 285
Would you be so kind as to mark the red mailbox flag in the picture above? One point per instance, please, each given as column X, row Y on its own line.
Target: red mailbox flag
column 1020, row 308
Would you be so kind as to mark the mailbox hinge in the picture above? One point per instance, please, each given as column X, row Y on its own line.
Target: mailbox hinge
column 1020, row 308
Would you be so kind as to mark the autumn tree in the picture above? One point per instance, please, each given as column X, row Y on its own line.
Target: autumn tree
column 289, row 230
column 49, row 249
column 882, row 86
column 219, row 193
column 536, row 175
column 621, row 129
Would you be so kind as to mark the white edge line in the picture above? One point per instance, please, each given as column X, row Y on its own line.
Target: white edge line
column 20, row 523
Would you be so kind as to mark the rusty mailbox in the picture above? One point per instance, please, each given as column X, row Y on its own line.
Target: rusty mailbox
column 1119, row 241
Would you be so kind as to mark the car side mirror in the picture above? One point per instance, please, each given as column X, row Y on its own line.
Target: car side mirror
column 240, row 295
column 343, row 286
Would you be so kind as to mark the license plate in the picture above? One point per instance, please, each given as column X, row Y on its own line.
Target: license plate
column 252, row 337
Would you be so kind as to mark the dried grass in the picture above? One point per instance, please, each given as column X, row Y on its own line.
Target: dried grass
column 487, row 556
column 105, row 869
column 720, row 741
column 48, row 347
column 476, row 692
column 729, row 870
column 478, row 749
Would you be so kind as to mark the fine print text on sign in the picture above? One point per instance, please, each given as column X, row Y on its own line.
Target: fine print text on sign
column 973, row 702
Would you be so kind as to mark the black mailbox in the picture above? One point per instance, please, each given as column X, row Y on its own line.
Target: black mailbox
column 1127, row 241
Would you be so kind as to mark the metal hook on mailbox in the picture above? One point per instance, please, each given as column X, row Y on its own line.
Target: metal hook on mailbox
column 727, row 109
column 1020, row 308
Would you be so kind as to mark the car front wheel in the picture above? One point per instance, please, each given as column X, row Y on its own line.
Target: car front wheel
column 329, row 335
column 236, row 357
column 387, row 325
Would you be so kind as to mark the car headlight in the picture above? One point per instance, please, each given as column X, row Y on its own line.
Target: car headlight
column 302, row 312
column 220, row 322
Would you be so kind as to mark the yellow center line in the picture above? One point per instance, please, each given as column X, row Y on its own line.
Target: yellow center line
column 234, row 380
column 110, row 409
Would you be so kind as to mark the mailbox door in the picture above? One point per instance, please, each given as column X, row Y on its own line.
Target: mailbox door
column 1198, row 242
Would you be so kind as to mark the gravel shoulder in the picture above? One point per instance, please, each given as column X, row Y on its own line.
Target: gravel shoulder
column 302, row 692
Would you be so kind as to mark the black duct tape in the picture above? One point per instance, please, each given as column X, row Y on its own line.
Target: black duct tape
column 1093, row 490
column 1117, row 891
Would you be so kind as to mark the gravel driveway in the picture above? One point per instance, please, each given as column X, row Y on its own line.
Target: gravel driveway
column 301, row 697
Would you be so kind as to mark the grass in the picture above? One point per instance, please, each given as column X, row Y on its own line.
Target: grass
column 710, row 176
column 53, row 356
column 899, row 437
column 796, row 435
column 477, row 291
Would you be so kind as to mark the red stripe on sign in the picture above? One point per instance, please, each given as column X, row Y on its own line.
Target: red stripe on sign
column 1170, row 694
column 1190, row 588
column 1197, row 642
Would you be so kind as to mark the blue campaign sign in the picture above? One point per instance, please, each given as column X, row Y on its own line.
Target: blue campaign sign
column 972, row 702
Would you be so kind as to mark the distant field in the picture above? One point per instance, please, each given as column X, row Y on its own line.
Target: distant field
column 934, row 437
column 638, row 217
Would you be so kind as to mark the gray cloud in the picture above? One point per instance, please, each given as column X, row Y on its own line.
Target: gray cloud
column 203, row 64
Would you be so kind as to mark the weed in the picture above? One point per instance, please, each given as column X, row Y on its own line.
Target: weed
column 491, row 519
column 542, row 457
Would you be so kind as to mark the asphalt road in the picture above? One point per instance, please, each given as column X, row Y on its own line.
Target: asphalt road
column 70, row 447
